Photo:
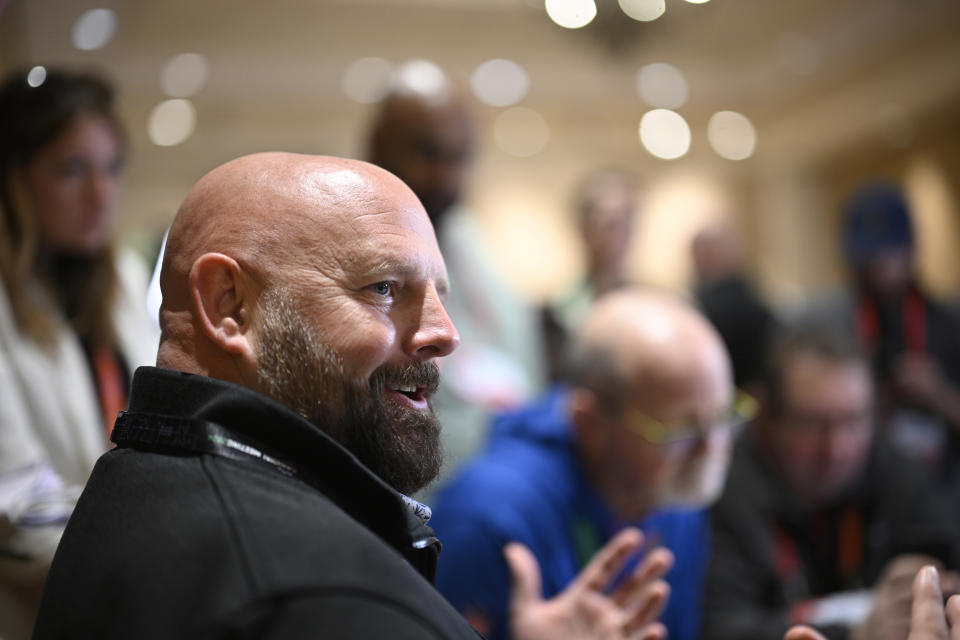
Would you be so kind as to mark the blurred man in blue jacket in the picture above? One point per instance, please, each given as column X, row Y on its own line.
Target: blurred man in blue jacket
column 640, row 437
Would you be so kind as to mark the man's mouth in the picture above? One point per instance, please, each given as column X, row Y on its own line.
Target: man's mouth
column 414, row 396
column 409, row 385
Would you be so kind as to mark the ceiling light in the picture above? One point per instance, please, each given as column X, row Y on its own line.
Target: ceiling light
column 731, row 135
column 94, row 29
column 665, row 134
column 571, row 14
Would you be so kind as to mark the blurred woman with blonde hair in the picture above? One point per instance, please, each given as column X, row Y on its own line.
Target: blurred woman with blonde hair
column 73, row 320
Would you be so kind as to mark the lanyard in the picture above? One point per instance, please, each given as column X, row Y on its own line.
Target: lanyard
column 176, row 433
column 848, row 531
column 914, row 317
column 195, row 435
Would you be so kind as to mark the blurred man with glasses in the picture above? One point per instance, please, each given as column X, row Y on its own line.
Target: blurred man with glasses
column 640, row 436
column 819, row 523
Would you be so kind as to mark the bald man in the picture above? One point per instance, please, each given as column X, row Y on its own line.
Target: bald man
column 641, row 436
column 424, row 134
column 257, row 487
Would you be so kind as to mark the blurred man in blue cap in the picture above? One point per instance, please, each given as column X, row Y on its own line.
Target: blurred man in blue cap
column 913, row 341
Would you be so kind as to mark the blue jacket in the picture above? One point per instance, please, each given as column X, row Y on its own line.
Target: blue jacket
column 527, row 486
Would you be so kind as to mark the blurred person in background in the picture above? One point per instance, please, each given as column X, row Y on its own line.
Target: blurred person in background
column 912, row 340
column 72, row 319
column 641, row 436
column 606, row 207
column 424, row 133
column 724, row 294
column 820, row 523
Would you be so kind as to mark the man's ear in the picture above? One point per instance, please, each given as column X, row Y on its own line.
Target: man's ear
column 587, row 418
column 765, row 422
column 223, row 300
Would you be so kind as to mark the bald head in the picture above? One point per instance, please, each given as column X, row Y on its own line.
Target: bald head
column 268, row 219
column 652, row 383
column 255, row 208
column 653, row 339
column 424, row 135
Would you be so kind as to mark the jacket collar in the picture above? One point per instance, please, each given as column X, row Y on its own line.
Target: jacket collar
column 287, row 436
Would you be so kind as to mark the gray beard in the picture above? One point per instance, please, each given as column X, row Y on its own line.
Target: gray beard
column 298, row 370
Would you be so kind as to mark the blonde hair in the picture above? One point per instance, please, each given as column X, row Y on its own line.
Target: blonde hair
column 82, row 289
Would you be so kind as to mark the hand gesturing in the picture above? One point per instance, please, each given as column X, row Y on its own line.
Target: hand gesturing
column 585, row 610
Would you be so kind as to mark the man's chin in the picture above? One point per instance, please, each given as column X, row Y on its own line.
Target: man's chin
column 695, row 491
column 400, row 444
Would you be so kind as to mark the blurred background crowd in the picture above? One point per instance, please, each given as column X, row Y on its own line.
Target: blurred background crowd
column 778, row 164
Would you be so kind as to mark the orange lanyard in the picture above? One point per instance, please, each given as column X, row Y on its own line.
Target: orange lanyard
column 110, row 390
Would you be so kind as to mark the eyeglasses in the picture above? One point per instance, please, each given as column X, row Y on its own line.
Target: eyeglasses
column 664, row 434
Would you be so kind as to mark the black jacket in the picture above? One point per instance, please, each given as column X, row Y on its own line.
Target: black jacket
column 222, row 514
column 770, row 554
column 744, row 323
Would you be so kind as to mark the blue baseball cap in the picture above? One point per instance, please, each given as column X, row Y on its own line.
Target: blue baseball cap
column 876, row 218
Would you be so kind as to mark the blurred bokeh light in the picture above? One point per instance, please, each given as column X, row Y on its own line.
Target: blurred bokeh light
column 185, row 75
column 37, row 76
column 643, row 10
column 171, row 122
column 500, row 82
column 665, row 134
column 662, row 85
column 732, row 135
column 571, row 14
column 367, row 80
column 422, row 76
column 94, row 29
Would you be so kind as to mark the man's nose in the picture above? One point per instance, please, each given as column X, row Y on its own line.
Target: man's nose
column 435, row 336
column 101, row 186
column 838, row 444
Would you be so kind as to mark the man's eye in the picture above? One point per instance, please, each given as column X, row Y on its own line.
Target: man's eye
column 382, row 288
column 72, row 168
column 116, row 166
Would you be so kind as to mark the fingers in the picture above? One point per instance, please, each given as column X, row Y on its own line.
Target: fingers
column 953, row 617
column 903, row 569
column 649, row 607
column 524, row 576
column 643, row 595
column 654, row 566
column 653, row 631
column 801, row 632
column 609, row 561
column 927, row 620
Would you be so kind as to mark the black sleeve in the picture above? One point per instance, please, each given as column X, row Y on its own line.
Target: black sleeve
column 737, row 592
column 329, row 616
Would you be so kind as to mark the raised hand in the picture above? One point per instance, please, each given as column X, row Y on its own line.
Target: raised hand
column 929, row 618
column 585, row 610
